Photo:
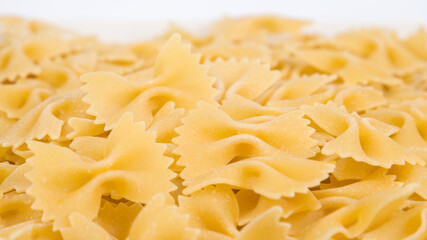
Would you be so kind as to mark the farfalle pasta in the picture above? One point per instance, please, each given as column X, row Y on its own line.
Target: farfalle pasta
column 255, row 130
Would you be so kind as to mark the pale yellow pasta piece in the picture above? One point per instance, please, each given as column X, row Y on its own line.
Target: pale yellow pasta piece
column 132, row 167
column 117, row 219
column 417, row 43
column 258, row 173
column 348, row 169
column 408, row 134
column 83, row 127
column 58, row 77
column 356, row 138
column 248, row 79
column 158, row 220
column 20, row 206
column 29, row 231
column 178, row 77
column 352, row 69
column 213, row 210
column 412, row 174
column 14, row 63
column 219, row 139
column 18, row 99
column 245, row 110
column 252, row 205
column 245, row 28
column 409, row 225
column 376, row 182
column 362, row 215
column 15, row 180
column 306, row 89
column 48, row 119
column 358, row 99
column 42, row 47
column 266, row 226
column 83, row 228
column 382, row 48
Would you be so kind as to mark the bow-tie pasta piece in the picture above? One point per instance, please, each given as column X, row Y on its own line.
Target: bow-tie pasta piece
column 133, row 167
column 252, row 205
column 159, row 220
column 382, row 48
column 16, row 208
column 15, row 64
column 376, row 182
column 267, row 226
column 47, row 120
column 177, row 77
column 352, row 69
column 219, row 139
column 355, row 137
column 417, row 43
column 5, row 124
column 411, row 224
column 408, row 134
column 28, row 231
column 348, row 169
column 18, row 99
column 358, row 99
column 306, row 89
column 272, row 177
column 239, row 29
column 213, row 210
column 364, row 214
column 83, row 228
column 59, row 77
column 247, row 111
column 15, row 180
column 248, row 79
column 412, row 174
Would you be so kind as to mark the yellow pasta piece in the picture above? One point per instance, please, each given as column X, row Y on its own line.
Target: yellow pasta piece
column 242, row 78
column 177, row 77
column 266, row 226
column 213, row 210
column 252, row 205
column 362, row 215
column 306, row 89
column 133, row 167
column 356, row 138
column 159, row 220
column 411, row 224
column 83, row 228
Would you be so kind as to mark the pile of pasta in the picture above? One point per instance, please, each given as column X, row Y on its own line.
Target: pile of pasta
column 254, row 131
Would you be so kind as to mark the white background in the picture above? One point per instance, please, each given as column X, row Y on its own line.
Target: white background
column 133, row 20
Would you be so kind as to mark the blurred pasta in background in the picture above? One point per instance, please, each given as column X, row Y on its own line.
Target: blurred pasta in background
column 254, row 131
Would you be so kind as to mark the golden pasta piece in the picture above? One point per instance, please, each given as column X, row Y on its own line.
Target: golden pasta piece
column 177, row 77
column 411, row 224
column 20, row 205
column 365, row 214
column 242, row 78
column 158, row 220
column 356, row 138
column 15, row 180
column 252, row 205
column 306, row 89
column 267, row 226
column 213, row 210
column 358, row 99
column 132, row 167
column 47, row 120
column 352, row 69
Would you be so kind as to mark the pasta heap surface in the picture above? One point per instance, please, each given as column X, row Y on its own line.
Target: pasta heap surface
column 254, row 131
